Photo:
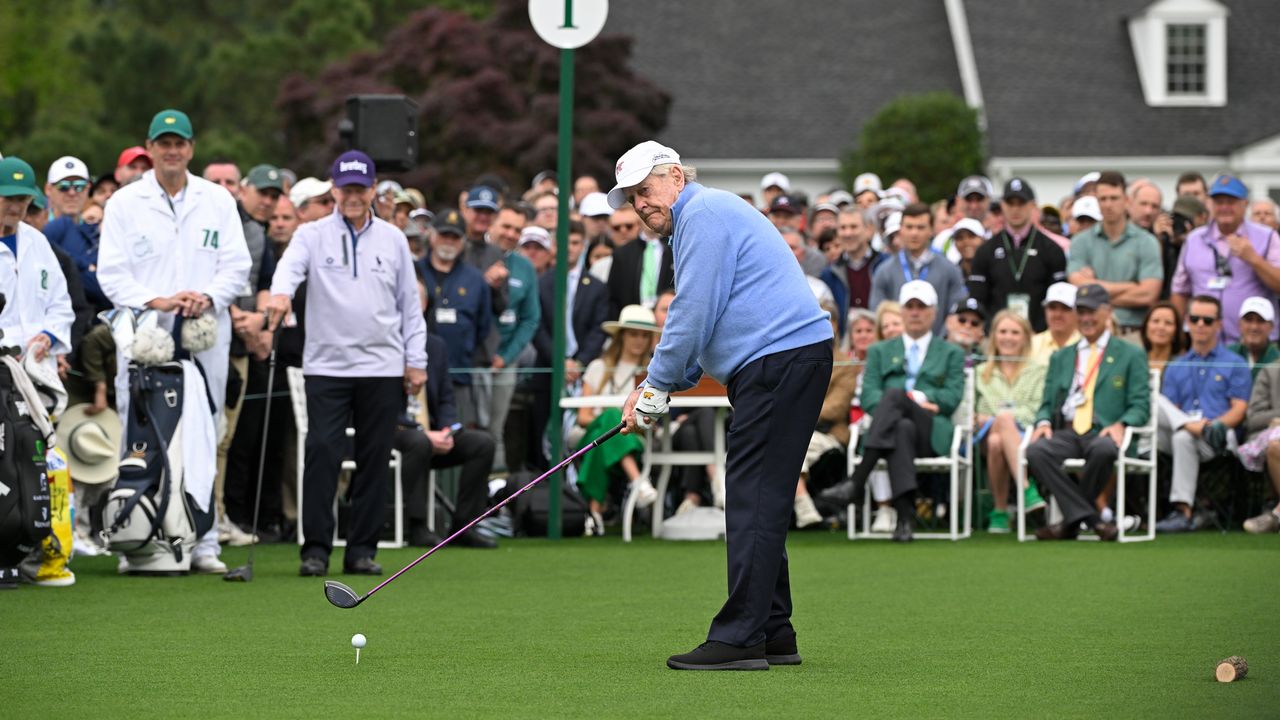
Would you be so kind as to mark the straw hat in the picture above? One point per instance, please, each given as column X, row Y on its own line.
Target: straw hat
column 632, row 317
column 92, row 443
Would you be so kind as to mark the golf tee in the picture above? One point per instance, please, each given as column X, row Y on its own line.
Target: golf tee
column 357, row 656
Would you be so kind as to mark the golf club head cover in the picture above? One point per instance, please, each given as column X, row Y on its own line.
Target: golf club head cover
column 651, row 405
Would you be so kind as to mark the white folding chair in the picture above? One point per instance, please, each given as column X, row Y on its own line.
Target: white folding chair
column 298, row 396
column 1141, row 462
column 958, row 464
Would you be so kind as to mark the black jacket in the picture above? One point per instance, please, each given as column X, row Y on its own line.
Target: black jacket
column 590, row 306
column 624, row 278
column 991, row 277
column 441, row 407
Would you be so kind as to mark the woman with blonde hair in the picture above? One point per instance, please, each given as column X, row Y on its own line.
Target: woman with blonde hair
column 615, row 373
column 1009, row 387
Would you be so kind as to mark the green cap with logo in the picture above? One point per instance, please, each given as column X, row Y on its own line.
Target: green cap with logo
column 173, row 122
column 265, row 177
column 17, row 178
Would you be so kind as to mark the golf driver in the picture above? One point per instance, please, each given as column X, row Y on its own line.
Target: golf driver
column 344, row 597
column 244, row 573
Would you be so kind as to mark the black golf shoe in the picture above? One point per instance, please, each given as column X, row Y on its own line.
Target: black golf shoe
column 313, row 567
column 362, row 566
column 712, row 655
column 782, row 650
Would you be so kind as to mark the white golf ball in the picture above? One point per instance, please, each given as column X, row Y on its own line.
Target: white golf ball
column 357, row 641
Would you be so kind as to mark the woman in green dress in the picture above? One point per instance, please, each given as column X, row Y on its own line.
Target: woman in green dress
column 615, row 373
column 1009, row 389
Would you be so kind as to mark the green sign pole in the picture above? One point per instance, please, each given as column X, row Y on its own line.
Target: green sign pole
column 564, row 171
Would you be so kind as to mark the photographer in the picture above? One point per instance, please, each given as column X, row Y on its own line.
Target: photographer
column 1188, row 214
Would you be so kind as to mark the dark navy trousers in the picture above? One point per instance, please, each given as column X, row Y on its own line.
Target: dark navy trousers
column 776, row 401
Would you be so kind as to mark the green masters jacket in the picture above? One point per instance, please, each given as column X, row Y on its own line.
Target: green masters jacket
column 1271, row 355
column 941, row 379
column 1121, row 392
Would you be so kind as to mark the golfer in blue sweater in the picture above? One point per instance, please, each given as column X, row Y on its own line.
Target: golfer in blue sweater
column 744, row 314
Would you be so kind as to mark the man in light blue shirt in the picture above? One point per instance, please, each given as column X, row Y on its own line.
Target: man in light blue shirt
column 744, row 314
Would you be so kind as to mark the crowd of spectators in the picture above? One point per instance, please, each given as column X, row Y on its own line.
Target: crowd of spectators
column 1033, row 297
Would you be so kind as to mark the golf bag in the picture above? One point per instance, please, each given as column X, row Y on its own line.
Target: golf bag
column 533, row 508
column 24, row 483
column 150, row 517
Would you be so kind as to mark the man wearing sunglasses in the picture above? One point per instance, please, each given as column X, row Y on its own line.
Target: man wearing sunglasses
column 67, row 186
column 1202, row 402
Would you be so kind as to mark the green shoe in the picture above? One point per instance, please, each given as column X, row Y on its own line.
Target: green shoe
column 998, row 522
column 1031, row 500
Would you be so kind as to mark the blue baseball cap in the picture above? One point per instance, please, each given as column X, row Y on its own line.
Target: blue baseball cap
column 1229, row 185
column 353, row 168
column 482, row 197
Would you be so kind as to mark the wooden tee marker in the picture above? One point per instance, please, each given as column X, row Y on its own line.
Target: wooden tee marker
column 1232, row 669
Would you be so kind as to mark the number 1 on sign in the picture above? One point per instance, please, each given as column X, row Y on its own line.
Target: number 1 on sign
column 568, row 15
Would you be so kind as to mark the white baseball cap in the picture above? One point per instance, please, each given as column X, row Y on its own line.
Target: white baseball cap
column 1086, row 206
column 892, row 224
column 918, row 290
column 635, row 165
column 594, row 205
column 776, row 179
column 867, row 182
column 972, row 226
column 1060, row 292
column 308, row 188
column 1259, row 305
column 67, row 167
column 537, row 236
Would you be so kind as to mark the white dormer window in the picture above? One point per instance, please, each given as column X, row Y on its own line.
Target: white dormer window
column 1180, row 47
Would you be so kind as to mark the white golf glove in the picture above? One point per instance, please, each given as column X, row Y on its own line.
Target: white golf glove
column 651, row 406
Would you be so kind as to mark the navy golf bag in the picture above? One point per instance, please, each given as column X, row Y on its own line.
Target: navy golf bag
column 150, row 517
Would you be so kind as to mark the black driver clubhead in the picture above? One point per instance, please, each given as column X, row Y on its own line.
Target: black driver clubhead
column 341, row 595
column 244, row 573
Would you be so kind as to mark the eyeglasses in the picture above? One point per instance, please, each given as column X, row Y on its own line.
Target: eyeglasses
column 624, row 226
column 1201, row 319
column 970, row 321
column 325, row 200
column 72, row 186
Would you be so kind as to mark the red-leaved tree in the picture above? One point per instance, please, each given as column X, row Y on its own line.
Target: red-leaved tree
column 488, row 92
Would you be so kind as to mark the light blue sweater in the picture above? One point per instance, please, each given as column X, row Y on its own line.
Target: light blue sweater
column 740, row 294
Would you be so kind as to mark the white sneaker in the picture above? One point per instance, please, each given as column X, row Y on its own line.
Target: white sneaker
column 122, row 567
column 645, row 492
column 596, row 522
column 208, row 565
column 230, row 534
column 686, row 506
column 1107, row 515
column 886, row 520
column 806, row 513
column 84, row 546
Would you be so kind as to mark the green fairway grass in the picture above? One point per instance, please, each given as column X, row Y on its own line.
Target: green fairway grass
column 582, row 628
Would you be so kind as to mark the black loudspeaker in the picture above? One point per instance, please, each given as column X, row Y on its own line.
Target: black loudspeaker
column 385, row 127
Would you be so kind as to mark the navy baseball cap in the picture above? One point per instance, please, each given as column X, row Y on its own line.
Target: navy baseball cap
column 353, row 168
column 1229, row 185
column 482, row 197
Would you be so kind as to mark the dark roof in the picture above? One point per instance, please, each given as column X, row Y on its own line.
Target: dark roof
column 1059, row 79
column 752, row 79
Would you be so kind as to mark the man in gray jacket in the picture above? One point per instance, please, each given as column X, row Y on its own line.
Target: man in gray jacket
column 365, row 349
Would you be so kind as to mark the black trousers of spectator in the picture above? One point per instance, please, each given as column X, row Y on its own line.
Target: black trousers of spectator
column 472, row 449
column 776, row 401
column 371, row 405
column 696, row 434
column 539, row 415
column 899, row 433
column 242, row 458
column 1044, row 462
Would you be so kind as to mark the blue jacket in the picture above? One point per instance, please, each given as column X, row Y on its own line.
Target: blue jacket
column 442, row 409
column 740, row 294
column 80, row 241
column 461, row 312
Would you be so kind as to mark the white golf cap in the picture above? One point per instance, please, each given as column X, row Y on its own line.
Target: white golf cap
column 537, row 236
column 867, row 182
column 1088, row 207
column 1060, row 292
column 776, row 179
column 635, row 165
column 918, row 290
column 67, row 167
column 594, row 205
column 1085, row 179
column 892, row 224
column 308, row 188
column 972, row 226
column 1259, row 305
column 840, row 197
